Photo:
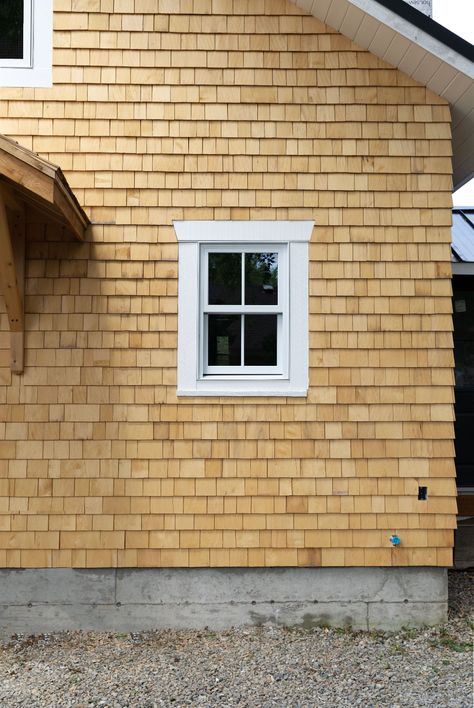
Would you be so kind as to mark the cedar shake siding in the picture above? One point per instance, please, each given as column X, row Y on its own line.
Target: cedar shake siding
column 166, row 111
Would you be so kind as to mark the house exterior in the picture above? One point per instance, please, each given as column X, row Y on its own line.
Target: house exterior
column 237, row 388
column 463, row 302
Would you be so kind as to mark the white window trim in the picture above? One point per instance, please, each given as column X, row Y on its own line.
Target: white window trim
column 35, row 69
column 191, row 235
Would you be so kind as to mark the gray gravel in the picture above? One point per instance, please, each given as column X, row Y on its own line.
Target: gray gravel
column 263, row 666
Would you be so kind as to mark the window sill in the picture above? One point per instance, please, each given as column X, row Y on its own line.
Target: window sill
column 238, row 392
column 235, row 386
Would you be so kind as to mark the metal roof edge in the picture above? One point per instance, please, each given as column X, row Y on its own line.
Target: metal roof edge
column 462, row 245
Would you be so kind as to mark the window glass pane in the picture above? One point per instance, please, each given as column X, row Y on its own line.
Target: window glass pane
column 261, row 278
column 464, row 364
column 11, row 29
column 225, row 278
column 224, row 340
column 260, row 342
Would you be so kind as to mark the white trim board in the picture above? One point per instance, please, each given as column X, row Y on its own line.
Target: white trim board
column 39, row 74
column 243, row 231
column 191, row 236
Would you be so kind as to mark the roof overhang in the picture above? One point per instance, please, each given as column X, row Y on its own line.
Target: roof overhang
column 42, row 185
column 421, row 48
column 28, row 181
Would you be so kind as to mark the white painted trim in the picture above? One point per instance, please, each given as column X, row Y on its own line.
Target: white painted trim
column 243, row 389
column 39, row 74
column 416, row 35
column 243, row 231
column 281, row 309
column 327, row 10
column 191, row 234
column 298, row 322
column 188, row 316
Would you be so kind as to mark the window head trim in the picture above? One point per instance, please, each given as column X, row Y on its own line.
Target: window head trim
column 243, row 231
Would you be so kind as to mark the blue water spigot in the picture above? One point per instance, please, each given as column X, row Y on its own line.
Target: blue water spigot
column 395, row 540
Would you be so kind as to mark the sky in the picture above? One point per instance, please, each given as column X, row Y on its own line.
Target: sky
column 458, row 16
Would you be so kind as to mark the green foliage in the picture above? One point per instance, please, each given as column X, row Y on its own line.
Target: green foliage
column 452, row 643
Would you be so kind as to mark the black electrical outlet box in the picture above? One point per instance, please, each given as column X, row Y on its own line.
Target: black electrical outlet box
column 422, row 493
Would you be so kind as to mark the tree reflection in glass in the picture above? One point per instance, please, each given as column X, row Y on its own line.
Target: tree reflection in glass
column 225, row 279
column 261, row 278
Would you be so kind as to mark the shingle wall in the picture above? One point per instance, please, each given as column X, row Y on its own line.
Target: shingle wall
column 229, row 109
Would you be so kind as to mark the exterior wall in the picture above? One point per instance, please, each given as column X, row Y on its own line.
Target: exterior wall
column 250, row 110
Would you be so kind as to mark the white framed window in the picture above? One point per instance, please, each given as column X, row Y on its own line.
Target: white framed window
column 243, row 308
column 26, row 43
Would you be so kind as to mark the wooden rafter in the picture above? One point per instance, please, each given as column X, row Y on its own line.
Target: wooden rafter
column 42, row 184
column 27, row 180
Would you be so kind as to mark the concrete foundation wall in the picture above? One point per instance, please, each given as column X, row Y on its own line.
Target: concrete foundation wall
column 46, row 600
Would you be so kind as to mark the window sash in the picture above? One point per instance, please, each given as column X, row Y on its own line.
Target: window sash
column 27, row 60
column 281, row 310
column 243, row 369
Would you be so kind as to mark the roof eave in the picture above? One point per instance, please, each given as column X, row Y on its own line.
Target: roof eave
column 419, row 49
column 41, row 184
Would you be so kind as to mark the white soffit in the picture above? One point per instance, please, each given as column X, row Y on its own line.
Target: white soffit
column 418, row 54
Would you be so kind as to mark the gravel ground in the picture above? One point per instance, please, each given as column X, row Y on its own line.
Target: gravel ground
column 263, row 666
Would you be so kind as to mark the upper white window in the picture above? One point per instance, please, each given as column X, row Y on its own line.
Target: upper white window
column 26, row 43
column 243, row 307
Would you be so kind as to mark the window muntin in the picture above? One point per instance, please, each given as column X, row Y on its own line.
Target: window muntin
column 244, row 309
column 15, row 33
